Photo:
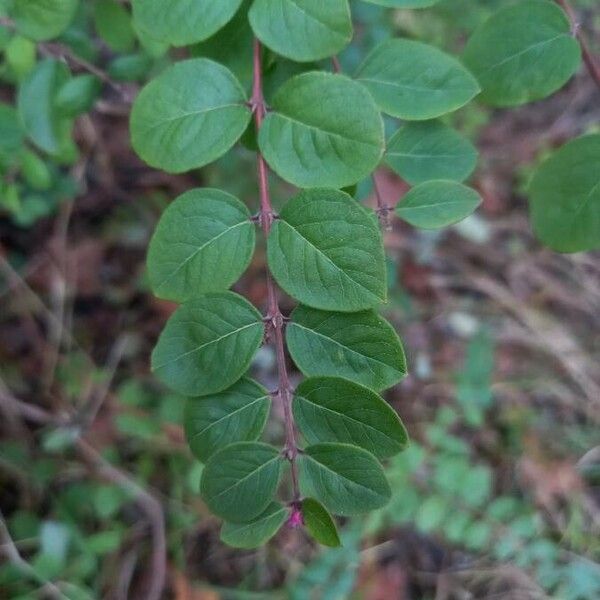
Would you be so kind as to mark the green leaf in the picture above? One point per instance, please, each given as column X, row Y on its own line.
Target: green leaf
column 77, row 95
column 362, row 346
column 35, row 171
column 435, row 204
column 428, row 150
column 131, row 67
column 326, row 251
column 319, row 523
column 36, row 103
column 11, row 132
column 20, row 55
column 331, row 409
column 113, row 24
column 232, row 47
column 323, row 130
column 415, row 81
column 565, row 197
column 43, row 19
column 404, row 3
column 303, row 30
column 188, row 116
column 238, row 414
column 203, row 242
column 258, row 532
column 524, row 52
column 195, row 352
column 347, row 480
column 239, row 481
column 183, row 22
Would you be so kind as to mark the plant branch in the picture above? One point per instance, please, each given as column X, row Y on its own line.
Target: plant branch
column 10, row 550
column 62, row 52
column 383, row 210
column 591, row 64
column 274, row 317
column 146, row 501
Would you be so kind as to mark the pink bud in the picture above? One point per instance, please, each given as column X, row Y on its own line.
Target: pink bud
column 295, row 521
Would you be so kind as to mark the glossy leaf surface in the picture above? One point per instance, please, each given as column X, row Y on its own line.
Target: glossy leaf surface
column 331, row 409
column 208, row 344
column 239, row 482
column 326, row 251
column 189, row 116
column 323, row 130
column 237, row 414
column 203, row 243
column 347, row 480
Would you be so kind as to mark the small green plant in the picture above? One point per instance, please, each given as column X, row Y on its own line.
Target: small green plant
column 322, row 132
column 266, row 72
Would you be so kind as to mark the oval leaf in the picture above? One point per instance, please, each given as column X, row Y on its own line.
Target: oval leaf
column 239, row 481
column 77, row 95
column 437, row 204
column 326, row 251
column 565, row 197
column 362, row 346
column 346, row 479
column 237, row 414
column 319, row 523
column 188, row 116
column 183, row 22
column 427, row 150
column 524, row 52
column 113, row 24
column 36, row 102
column 303, row 30
column 203, row 243
column 324, row 130
column 205, row 333
column 43, row 19
column 258, row 532
column 330, row 409
column 415, row 81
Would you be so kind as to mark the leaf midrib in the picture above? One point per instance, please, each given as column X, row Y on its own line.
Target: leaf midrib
column 346, row 417
column 351, row 350
column 525, row 51
column 229, row 415
column 215, row 341
column 329, row 470
column 243, row 479
column 198, row 250
column 329, row 260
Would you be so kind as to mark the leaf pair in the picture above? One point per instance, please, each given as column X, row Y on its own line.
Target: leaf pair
column 323, row 130
column 311, row 514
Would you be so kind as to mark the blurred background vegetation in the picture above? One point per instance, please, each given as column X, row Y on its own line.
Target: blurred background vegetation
column 498, row 495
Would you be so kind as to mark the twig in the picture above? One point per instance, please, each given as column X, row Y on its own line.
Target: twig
column 147, row 502
column 383, row 210
column 62, row 52
column 10, row 550
column 274, row 316
column 591, row 64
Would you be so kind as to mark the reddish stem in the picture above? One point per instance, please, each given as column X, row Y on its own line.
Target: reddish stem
column 588, row 58
column 274, row 317
column 383, row 210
